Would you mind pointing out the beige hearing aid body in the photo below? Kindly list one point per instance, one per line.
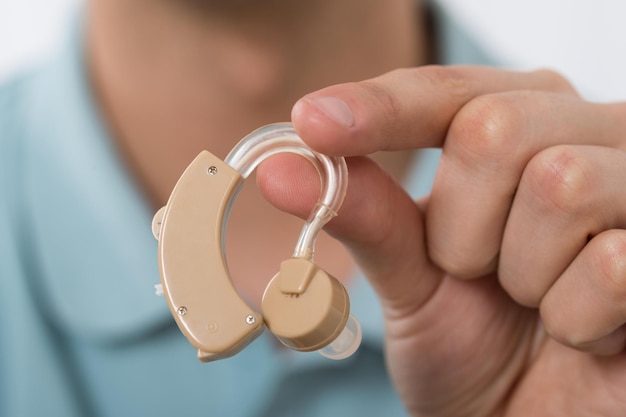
(306, 308)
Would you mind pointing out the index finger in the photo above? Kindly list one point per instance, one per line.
(403, 109)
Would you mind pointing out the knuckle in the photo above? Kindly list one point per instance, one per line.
(559, 177)
(484, 129)
(520, 290)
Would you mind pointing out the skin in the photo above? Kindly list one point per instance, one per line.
(504, 291)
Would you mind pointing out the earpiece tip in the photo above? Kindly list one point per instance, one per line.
(346, 343)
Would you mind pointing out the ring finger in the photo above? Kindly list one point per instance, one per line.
(489, 144)
(567, 196)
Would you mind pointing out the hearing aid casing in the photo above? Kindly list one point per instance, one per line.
(305, 307)
(194, 275)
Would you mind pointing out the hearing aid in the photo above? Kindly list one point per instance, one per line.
(306, 308)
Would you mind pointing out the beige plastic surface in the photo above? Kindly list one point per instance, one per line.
(306, 317)
(296, 275)
(194, 274)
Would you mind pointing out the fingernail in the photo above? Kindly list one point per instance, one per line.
(333, 108)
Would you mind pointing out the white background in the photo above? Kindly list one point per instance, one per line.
(29, 30)
(584, 39)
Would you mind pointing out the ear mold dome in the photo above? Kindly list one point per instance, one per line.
(305, 307)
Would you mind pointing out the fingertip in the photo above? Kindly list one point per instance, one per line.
(324, 122)
(289, 183)
(609, 345)
(334, 109)
(612, 344)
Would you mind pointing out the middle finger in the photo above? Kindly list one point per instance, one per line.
(568, 195)
(489, 143)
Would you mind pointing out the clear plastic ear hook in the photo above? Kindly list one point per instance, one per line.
(280, 138)
(306, 308)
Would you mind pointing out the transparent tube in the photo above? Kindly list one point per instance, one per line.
(279, 138)
(282, 137)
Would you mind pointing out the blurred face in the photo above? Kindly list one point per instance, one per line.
(242, 6)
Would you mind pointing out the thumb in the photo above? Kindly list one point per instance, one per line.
(378, 222)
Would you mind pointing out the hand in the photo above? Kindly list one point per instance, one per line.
(504, 291)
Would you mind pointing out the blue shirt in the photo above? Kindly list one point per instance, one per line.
(81, 332)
